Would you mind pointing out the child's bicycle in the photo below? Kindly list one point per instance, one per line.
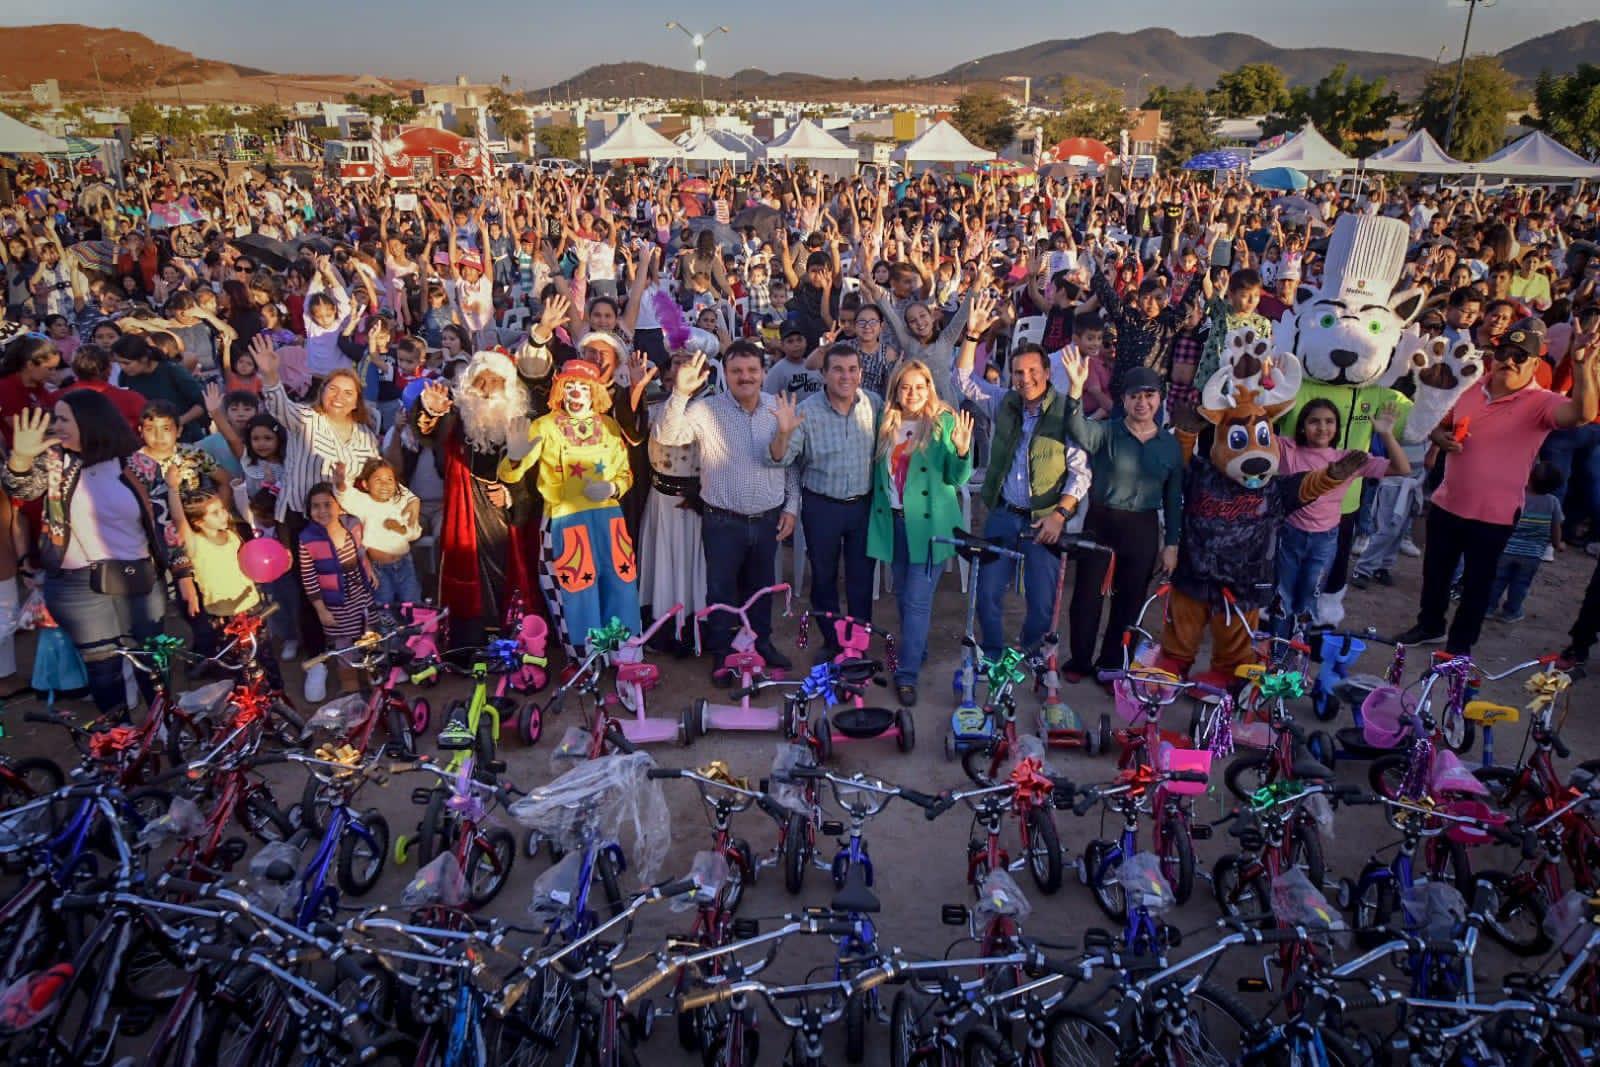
(1116, 870)
(455, 821)
(474, 725)
(970, 726)
(601, 731)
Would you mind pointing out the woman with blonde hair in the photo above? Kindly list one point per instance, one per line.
(924, 455)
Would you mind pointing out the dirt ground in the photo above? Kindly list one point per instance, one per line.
(922, 866)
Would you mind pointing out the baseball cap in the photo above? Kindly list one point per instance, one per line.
(1141, 380)
(1524, 338)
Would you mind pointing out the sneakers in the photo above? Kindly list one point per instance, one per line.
(289, 651)
(1506, 616)
(1409, 547)
(1419, 636)
(1383, 577)
(1549, 554)
(906, 695)
(316, 683)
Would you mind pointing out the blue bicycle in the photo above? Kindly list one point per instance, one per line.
(354, 845)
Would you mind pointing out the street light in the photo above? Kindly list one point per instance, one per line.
(699, 42)
(1461, 71)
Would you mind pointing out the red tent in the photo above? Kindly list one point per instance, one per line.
(1086, 147)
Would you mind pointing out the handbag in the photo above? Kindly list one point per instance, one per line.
(123, 577)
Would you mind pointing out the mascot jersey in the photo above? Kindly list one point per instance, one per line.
(1357, 405)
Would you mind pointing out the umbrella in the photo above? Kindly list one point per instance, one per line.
(760, 218)
(319, 245)
(268, 251)
(726, 239)
(1086, 148)
(1220, 160)
(694, 185)
(1285, 178)
(98, 256)
(169, 213)
(1053, 171)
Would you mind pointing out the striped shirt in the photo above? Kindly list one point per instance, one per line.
(735, 469)
(314, 447)
(832, 451)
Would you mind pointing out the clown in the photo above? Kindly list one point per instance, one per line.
(1351, 337)
(1234, 501)
(590, 568)
(489, 530)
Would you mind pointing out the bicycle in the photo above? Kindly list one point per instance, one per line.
(358, 843)
(1030, 795)
(1561, 833)
(483, 854)
(583, 682)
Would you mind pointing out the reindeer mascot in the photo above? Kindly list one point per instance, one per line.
(1352, 339)
(1234, 502)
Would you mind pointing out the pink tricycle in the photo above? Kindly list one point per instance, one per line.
(857, 721)
(531, 633)
(744, 665)
(635, 678)
(426, 642)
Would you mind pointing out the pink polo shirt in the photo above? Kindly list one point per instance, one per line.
(1487, 478)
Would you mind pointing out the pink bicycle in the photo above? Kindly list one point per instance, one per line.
(743, 666)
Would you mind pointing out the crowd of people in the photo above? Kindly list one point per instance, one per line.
(607, 394)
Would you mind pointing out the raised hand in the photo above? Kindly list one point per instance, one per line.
(691, 376)
(1076, 364)
(1383, 422)
(788, 414)
(519, 438)
(980, 316)
(213, 395)
(339, 475)
(265, 353)
(961, 433)
(30, 436)
(555, 312)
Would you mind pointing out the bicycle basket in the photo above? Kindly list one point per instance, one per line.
(1169, 758)
(1383, 715)
(1128, 693)
(862, 723)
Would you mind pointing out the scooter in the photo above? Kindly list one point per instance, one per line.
(743, 664)
(970, 726)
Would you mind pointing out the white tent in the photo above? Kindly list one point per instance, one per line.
(717, 146)
(941, 143)
(1417, 154)
(1537, 155)
(632, 139)
(1307, 150)
(819, 148)
(17, 137)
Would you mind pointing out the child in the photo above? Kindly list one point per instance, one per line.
(158, 428)
(1237, 310)
(337, 576)
(1309, 537)
(390, 514)
(241, 375)
(1538, 529)
(438, 316)
(230, 413)
(1090, 333)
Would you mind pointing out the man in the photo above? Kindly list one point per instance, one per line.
(829, 438)
(489, 537)
(1577, 450)
(1502, 422)
(1461, 313)
(1035, 480)
(749, 503)
(1278, 303)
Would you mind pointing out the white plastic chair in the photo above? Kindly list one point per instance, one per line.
(1028, 331)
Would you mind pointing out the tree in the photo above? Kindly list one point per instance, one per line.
(179, 123)
(509, 116)
(697, 108)
(217, 119)
(1189, 125)
(77, 116)
(562, 142)
(1253, 89)
(1568, 108)
(1088, 109)
(22, 112)
(1488, 92)
(986, 118)
(144, 117)
(265, 118)
(383, 107)
(1348, 110)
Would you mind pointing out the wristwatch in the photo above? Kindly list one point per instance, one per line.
(1063, 512)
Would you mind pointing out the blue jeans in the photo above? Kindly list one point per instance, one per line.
(1512, 579)
(1303, 562)
(397, 583)
(914, 584)
(1040, 566)
(740, 551)
(833, 529)
(96, 621)
(1575, 452)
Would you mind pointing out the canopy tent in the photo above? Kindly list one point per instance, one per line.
(17, 138)
(1537, 155)
(1417, 154)
(941, 143)
(819, 148)
(632, 139)
(717, 146)
(1307, 150)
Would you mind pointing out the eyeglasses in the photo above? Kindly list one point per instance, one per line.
(1511, 355)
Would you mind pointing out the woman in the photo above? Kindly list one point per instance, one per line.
(25, 373)
(672, 559)
(1137, 470)
(107, 531)
(878, 356)
(923, 456)
(335, 574)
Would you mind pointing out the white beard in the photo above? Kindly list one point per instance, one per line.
(486, 419)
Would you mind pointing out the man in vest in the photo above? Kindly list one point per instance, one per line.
(1036, 478)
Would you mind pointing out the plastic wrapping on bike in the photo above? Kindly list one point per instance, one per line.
(208, 700)
(999, 894)
(1567, 921)
(338, 716)
(439, 881)
(708, 873)
(1296, 902)
(1141, 879)
(267, 886)
(610, 796)
(1433, 910)
(183, 820)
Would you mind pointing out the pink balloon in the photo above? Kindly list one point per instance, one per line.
(263, 560)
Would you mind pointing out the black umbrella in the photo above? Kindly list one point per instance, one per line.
(760, 218)
(320, 245)
(265, 250)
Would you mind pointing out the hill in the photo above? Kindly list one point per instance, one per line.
(1556, 52)
(128, 61)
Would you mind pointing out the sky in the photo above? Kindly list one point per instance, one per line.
(539, 43)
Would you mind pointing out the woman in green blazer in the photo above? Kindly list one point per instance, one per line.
(924, 455)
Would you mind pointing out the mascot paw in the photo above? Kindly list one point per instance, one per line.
(1246, 353)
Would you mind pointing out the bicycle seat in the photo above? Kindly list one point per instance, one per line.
(1489, 713)
(1307, 766)
(856, 896)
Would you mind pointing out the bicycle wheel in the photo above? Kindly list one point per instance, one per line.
(978, 763)
(1387, 774)
(152, 973)
(796, 852)
(1371, 905)
(1239, 899)
(314, 806)
(905, 1032)
(360, 860)
(433, 835)
(1044, 851)
(1517, 919)
(1457, 731)
(260, 815)
(610, 883)
(984, 1047)
(1247, 774)
(1074, 1038)
(1176, 853)
(185, 739)
(1216, 1030)
(855, 1028)
(741, 874)
(542, 1030)
(35, 777)
(1101, 873)
(488, 867)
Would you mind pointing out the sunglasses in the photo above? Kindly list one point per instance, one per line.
(1511, 355)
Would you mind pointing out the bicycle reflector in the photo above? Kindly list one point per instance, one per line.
(32, 998)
